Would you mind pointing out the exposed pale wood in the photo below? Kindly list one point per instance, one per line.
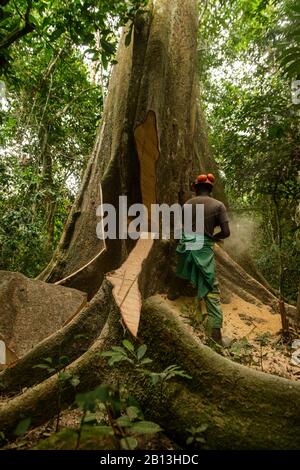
(32, 310)
(125, 284)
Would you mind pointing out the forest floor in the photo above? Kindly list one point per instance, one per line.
(45, 437)
(255, 333)
(256, 343)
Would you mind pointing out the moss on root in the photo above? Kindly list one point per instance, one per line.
(243, 408)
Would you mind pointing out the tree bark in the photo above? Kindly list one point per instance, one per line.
(155, 86)
(14, 36)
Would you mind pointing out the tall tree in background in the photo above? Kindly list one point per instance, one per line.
(48, 128)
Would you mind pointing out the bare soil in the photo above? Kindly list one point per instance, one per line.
(255, 332)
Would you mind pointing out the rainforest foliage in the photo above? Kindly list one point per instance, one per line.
(249, 61)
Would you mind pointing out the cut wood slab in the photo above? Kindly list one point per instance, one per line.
(31, 310)
(125, 284)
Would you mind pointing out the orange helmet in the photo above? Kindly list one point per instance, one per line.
(207, 179)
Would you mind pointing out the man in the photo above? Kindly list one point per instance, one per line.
(198, 265)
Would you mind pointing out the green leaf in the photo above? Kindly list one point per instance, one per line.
(116, 358)
(145, 427)
(56, 33)
(101, 393)
(124, 422)
(129, 443)
(64, 376)
(146, 360)
(133, 412)
(292, 69)
(276, 131)
(48, 359)
(32, 19)
(41, 366)
(291, 57)
(128, 345)
(105, 429)
(80, 336)
(63, 360)
(90, 417)
(87, 401)
(132, 401)
(106, 354)
(202, 428)
(108, 47)
(23, 426)
(141, 351)
(189, 440)
(118, 349)
(75, 381)
(154, 378)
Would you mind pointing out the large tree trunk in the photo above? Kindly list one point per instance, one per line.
(151, 143)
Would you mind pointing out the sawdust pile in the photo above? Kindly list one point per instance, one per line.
(254, 330)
